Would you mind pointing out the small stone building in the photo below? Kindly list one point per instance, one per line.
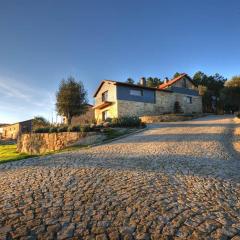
(86, 118)
(12, 131)
(117, 99)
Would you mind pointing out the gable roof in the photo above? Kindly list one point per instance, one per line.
(22, 122)
(169, 83)
(129, 85)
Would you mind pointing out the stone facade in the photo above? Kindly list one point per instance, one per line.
(38, 143)
(11, 131)
(168, 118)
(184, 82)
(194, 107)
(14, 130)
(163, 102)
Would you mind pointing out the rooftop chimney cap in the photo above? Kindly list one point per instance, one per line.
(166, 80)
(143, 81)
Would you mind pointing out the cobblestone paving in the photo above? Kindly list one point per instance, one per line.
(173, 181)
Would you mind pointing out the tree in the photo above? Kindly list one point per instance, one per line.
(39, 122)
(71, 99)
(177, 74)
(153, 82)
(234, 82)
(209, 88)
(230, 95)
(149, 82)
(130, 81)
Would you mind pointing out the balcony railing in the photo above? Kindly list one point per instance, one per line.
(102, 102)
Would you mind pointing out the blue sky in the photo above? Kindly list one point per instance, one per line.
(42, 42)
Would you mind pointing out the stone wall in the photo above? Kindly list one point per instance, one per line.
(167, 118)
(12, 131)
(38, 143)
(164, 102)
(194, 107)
(132, 108)
(180, 83)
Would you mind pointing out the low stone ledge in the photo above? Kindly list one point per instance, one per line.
(168, 118)
(39, 143)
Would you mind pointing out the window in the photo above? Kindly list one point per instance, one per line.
(104, 115)
(105, 96)
(189, 100)
(135, 92)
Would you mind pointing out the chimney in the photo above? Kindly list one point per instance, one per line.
(143, 81)
(166, 80)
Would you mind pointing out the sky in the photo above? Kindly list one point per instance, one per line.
(42, 42)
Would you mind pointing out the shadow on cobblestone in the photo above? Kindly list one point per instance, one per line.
(140, 187)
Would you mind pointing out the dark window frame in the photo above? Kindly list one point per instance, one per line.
(189, 99)
(137, 90)
(105, 96)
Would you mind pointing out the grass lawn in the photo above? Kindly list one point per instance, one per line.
(115, 133)
(9, 153)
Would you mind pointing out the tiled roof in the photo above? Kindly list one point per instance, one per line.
(170, 82)
(130, 85)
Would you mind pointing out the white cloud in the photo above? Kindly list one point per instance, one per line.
(23, 100)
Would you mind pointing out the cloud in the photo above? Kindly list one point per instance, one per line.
(25, 100)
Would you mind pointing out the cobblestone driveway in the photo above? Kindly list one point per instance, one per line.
(173, 181)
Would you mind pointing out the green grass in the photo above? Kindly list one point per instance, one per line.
(114, 133)
(70, 149)
(9, 153)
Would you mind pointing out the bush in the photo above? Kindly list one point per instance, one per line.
(63, 129)
(53, 130)
(74, 129)
(238, 115)
(85, 128)
(126, 122)
(42, 130)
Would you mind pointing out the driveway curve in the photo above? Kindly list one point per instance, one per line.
(173, 181)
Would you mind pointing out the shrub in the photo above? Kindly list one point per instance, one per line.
(42, 130)
(143, 124)
(74, 129)
(108, 120)
(238, 115)
(53, 130)
(85, 128)
(126, 122)
(63, 129)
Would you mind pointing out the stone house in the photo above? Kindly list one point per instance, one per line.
(86, 118)
(2, 125)
(12, 131)
(117, 99)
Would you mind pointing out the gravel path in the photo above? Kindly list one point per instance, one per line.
(172, 181)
